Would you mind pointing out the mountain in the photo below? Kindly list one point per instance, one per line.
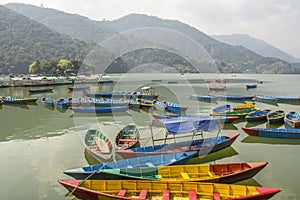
(23, 41)
(258, 46)
(228, 58)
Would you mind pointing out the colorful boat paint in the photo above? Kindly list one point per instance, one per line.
(128, 137)
(276, 117)
(292, 119)
(144, 189)
(244, 106)
(273, 132)
(257, 115)
(44, 90)
(92, 109)
(13, 100)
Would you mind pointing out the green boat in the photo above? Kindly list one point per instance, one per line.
(128, 137)
(238, 113)
(276, 117)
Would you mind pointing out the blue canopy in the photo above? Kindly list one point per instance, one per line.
(188, 124)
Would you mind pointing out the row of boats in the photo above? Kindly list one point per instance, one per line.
(160, 171)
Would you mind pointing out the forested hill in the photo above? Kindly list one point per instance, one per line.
(23, 41)
(228, 58)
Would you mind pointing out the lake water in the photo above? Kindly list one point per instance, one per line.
(37, 143)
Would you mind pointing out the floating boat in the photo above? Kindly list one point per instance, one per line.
(185, 127)
(257, 115)
(273, 132)
(266, 99)
(98, 145)
(203, 97)
(244, 106)
(128, 137)
(145, 104)
(234, 98)
(146, 161)
(250, 86)
(292, 119)
(144, 189)
(169, 106)
(79, 88)
(276, 117)
(222, 108)
(13, 100)
(108, 102)
(217, 84)
(92, 109)
(44, 90)
(281, 99)
(73, 102)
(217, 173)
(238, 113)
(48, 101)
(62, 103)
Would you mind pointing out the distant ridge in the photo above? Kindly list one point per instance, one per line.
(228, 58)
(258, 46)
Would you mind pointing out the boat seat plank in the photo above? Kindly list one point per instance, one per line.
(192, 195)
(143, 194)
(166, 195)
(185, 176)
(102, 145)
(122, 193)
(217, 196)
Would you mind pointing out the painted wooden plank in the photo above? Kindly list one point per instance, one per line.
(122, 193)
(166, 195)
(192, 195)
(217, 196)
(143, 193)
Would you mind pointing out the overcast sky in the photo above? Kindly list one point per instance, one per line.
(274, 21)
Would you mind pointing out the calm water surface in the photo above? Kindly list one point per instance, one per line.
(38, 143)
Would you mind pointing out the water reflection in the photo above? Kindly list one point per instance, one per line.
(227, 152)
(253, 124)
(250, 182)
(229, 126)
(266, 140)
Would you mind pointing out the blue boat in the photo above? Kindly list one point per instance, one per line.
(62, 103)
(222, 119)
(273, 132)
(13, 100)
(169, 106)
(147, 161)
(266, 99)
(92, 109)
(234, 98)
(257, 115)
(48, 101)
(184, 128)
(108, 102)
(44, 90)
(203, 97)
(250, 86)
(292, 119)
(73, 102)
(222, 108)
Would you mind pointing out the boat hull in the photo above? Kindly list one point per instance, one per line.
(273, 132)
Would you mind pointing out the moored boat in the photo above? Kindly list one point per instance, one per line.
(93, 109)
(98, 145)
(244, 106)
(13, 100)
(266, 99)
(44, 90)
(222, 108)
(217, 173)
(257, 115)
(48, 101)
(62, 103)
(250, 86)
(234, 97)
(128, 137)
(238, 113)
(292, 119)
(273, 132)
(144, 189)
(276, 117)
(203, 97)
(146, 161)
(169, 106)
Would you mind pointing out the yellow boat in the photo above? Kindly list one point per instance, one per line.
(163, 190)
(244, 106)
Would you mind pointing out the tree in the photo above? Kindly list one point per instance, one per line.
(35, 67)
(64, 65)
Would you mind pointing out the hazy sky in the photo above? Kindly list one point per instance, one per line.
(274, 21)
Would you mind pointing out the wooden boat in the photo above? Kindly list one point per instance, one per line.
(222, 108)
(250, 86)
(146, 161)
(223, 119)
(292, 119)
(244, 106)
(273, 132)
(147, 93)
(62, 103)
(166, 190)
(48, 101)
(145, 104)
(44, 90)
(217, 84)
(79, 88)
(257, 115)
(163, 116)
(108, 95)
(217, 173)
(92, 109)
(73, 102)
(202, 146)
(13, 100)
(203, 97)
(234, 98)
(281, 99)
(128, 137)
(169, 106)
(266, 99)
(238, 113)
(98, 145)
(276, 117)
